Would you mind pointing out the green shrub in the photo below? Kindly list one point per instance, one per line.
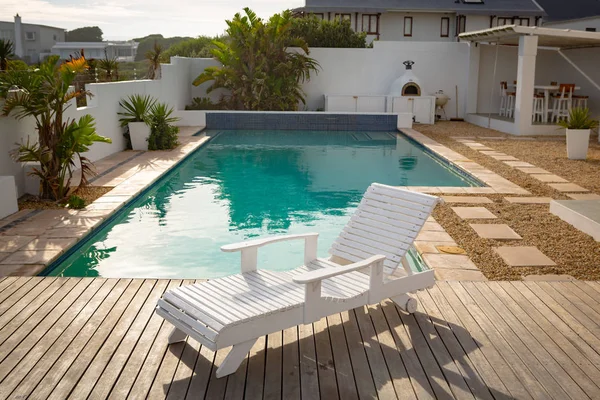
(163, 135)
(579, 118)
(323, 33)
(203, 103)
(76, 202)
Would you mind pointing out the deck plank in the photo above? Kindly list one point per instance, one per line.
(93, 338)
(6, 281)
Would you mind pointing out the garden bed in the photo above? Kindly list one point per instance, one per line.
(89, 194)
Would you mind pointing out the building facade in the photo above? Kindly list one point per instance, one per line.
(32, 42)
(431, 21)
(122, 51)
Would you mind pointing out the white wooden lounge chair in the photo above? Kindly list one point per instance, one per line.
(238, 309)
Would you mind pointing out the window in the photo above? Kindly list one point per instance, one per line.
(54, 37)
(344, 17)
(408, 25)
(370, 24)
(590, 29)
(445, 27)
(504, 21)
(29, 35)
(522, 21)
(461, 24)
(7, 35)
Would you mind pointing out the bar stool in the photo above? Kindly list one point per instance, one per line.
(580, 101)
(507, 101)
(538, 108)
(563, 101)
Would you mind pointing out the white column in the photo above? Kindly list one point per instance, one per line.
(19, 52)
(525, 81)
(472, 78)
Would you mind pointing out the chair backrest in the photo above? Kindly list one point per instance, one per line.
(386, 222)
(503, 88)
(566, 90)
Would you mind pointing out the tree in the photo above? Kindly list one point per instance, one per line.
(85, 34)
(6, 53)
(147, 43)
(258, 69)
(322, 33)
(110, 66)
(44, 94)
(198, 47)
(154, 57)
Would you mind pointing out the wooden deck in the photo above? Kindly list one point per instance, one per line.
(99, 338)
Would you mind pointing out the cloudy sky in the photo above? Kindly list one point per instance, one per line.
(125, 19)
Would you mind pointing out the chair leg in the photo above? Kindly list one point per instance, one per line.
(176, 336)
(235, 358)
(405, 302)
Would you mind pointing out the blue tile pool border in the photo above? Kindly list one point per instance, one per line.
(117, 212)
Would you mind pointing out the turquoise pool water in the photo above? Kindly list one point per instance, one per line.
(246, 184)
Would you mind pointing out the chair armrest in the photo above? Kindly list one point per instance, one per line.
(230, 248)
(325, 273)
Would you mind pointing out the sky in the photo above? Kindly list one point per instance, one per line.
(126, 19)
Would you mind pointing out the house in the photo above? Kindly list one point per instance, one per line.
(582, 15)
(431, 20)
(121, 50)
(32, 42)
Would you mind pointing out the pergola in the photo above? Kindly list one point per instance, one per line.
(528, 39)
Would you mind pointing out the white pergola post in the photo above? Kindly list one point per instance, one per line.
(528, 46)
(472, 78)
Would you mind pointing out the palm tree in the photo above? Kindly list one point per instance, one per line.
(110, 65)
(154, 58)
(44, 94)
(257, 69)
(6, 53)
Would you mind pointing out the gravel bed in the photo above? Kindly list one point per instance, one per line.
(89, 194)
(574, 252)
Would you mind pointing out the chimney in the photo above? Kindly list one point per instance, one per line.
(18, 37)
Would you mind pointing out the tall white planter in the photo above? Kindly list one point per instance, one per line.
(578, 141)
(139, 133)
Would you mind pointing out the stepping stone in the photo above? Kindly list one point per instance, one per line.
(495, 231)
(524, 256)
(493, 153)
(492, 138)
(467, 199)
(549, 278)
(519, 164)
(584, 196)
(505, 158)
(529, 200)
(473, 213)
(450, 261)
(534, 170)
(482, 148)
(549, 178)
(475, 144)
(568, 187)
(447, 274)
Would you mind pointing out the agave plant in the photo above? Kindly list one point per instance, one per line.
(6, 53)
(579, 118)
(136, 108)
(44, 94)
(258, 70)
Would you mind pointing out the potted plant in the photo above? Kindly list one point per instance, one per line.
(578, 126)
(136, 109)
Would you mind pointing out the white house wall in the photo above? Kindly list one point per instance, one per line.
(580, 24)
(426, 27)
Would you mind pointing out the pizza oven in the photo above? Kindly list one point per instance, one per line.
(407, 84)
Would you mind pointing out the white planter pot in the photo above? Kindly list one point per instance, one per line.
(578, 141)
(139, 133)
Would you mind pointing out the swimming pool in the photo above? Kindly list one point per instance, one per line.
(246, 184)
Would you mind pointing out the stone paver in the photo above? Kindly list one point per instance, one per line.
(584, 196)
(529, 200)
(568, 187)
(13, 243)
(549, 278)
(432, 236)
(473, 213)
(50, 244)
(449, 261)
(467, 199)
(433, 226)
(505, 158)
(518, 164)
(21, 269)
(524, 256)
(30, 257)
(426, 247)
(493, 153)
(447, 274)
(495, 231)
(533, 170)
(549, 178)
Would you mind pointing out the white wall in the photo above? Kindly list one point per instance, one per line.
(438, 65)
(578, 24)
(550, 67)
(426, 27)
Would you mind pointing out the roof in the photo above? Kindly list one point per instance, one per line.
(487, 7)
(561, 10)
(92, 45)
(43, 26)
(547, 37)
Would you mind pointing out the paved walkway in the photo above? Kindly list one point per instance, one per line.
(79, 337)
